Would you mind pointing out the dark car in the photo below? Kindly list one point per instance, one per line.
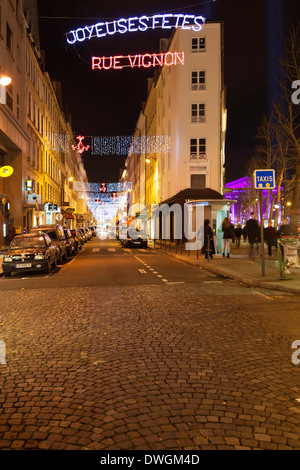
(93, 230)
(30, 252)
(134, 238)
(83, 235)
(77, 238)
(56, 233)
(70, 242)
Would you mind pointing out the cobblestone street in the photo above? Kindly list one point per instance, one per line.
(185, 366)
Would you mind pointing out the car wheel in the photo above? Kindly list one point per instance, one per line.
(54, 264)
(60, 258)
(48, 267)
(65, 255)
(7, 274)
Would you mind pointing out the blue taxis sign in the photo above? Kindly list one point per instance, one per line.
(264, 179)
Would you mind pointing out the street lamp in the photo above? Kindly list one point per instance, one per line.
(5, 80)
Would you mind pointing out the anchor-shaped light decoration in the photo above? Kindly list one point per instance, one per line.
(80, 148)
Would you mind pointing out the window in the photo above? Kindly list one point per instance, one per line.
(198, 44)
(197, 149)
(198, 112)
(9, 38)
(18, 106)
(198, 81)
(9, 97)
(198, 181)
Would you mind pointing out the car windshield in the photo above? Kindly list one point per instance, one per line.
(52, 234)
(28, 242)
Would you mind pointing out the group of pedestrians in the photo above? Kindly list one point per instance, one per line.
(250, 231)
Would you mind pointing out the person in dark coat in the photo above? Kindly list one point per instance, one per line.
(228, 234)
(238, 235)
(270, 237)
(252, 233)
(208, 240)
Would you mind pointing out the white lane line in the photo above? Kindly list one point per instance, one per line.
(165, 280)
(159, 275)
(154, 272)
(263, 295)
(111, 249)
(176, 282)
(142, 271)
(95, 250)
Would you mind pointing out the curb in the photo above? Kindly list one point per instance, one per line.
(236, 277)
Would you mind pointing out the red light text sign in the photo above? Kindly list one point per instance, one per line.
(139, 60)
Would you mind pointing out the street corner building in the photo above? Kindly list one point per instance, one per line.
(35, 133)
(188, 105)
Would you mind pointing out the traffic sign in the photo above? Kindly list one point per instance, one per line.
(264, 179)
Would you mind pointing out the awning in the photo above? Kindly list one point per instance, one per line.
(69, 216)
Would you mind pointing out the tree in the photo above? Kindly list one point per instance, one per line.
(278, 136)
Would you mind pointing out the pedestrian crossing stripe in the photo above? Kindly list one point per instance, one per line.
(96, 249)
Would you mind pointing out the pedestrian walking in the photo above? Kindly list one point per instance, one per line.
(270, 237)
(252, 233)
(238, 235)
(228, 234)
(208, 245)
(244, 233)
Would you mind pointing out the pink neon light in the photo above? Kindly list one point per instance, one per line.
(139, 60)
(80, 148)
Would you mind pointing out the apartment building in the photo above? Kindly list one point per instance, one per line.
(35, 131)
(184, 121)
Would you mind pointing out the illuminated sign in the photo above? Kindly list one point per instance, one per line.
(118, 62)
(134, 24)
(29, 185)
(51, 207)
(80, 148)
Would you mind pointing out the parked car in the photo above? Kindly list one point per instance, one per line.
(77, 238)
(70, 242)
(30, 252)
(93, 230)
(134, 238)
(88, 233)
(56, 233)
(83, 234)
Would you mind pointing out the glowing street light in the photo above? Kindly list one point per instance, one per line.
(5, 80)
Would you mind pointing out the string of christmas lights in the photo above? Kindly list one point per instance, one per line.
(102, 187)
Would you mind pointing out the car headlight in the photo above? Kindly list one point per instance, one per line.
(40, 256)
(7, 259)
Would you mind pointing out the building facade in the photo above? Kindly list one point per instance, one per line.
(35, 133)
(183, 122)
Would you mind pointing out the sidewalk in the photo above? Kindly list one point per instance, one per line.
(240, 267)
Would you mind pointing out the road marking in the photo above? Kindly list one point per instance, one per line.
(210, 282)
(142, 271)
(165, 280)
(111, 249)
(263, 295)
(177, 282)
(95, 249)
(159, 275)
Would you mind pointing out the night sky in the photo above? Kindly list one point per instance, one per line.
(107, 103)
